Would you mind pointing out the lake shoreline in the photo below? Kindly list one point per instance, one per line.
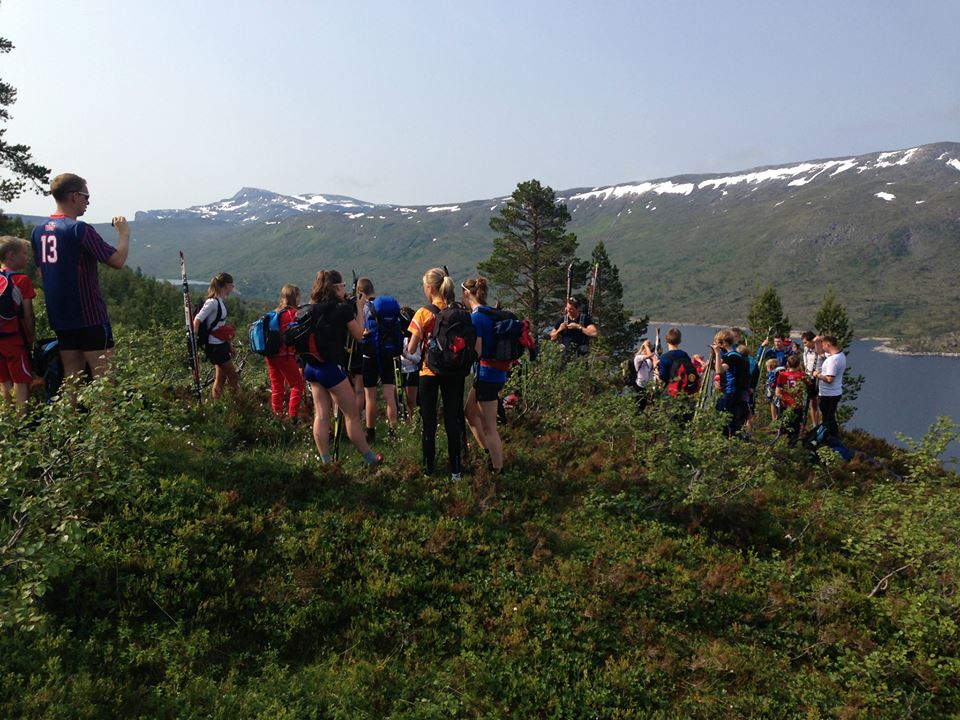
(884, 344)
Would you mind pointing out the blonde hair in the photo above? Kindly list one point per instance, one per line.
(289, 297)
(478, 288)
(217, 283)
(440, 284)
(9, 245)
(723, 337)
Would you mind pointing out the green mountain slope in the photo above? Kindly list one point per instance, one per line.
(884, 229)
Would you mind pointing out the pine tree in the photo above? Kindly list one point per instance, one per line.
(617, 332)
(766, 315)
(15, 159)
(832, 319)
(531, 252)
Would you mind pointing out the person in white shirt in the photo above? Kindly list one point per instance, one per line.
(830, 378)
(644, 362)
(812, 362)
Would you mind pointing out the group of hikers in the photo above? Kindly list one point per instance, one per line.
(345, 347)
(345, 342)
(802, 385)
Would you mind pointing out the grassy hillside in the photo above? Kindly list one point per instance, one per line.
(185, 560)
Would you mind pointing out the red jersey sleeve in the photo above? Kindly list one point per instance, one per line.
(26, 286)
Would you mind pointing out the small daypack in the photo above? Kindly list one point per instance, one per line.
(265, 334)
(11, 300)
(384, 326)
(684, 378)
(203, 335)
(511, 336)
(451, 346)
(311, 334)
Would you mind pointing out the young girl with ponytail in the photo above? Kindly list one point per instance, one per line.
(481, 407)
(213, 315)
(326, 374)
(438, 289)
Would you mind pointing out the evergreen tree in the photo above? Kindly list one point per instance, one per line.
(531, 252)
(15, 159)
(766, 315)
(618, 333)
(832, 319)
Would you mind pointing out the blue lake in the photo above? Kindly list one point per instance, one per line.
(900, 394)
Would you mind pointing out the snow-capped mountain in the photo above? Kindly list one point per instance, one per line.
(255, 205)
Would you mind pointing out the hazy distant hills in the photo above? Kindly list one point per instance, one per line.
(884, 228)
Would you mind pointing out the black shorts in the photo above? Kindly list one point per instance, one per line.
(383, 372)
(218, 353)
(86, 339)
(487, 391)
(410, 379)
(355, 361)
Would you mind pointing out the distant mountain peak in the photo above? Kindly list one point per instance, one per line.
(257, 205)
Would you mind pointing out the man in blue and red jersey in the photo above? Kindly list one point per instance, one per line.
(67, 251)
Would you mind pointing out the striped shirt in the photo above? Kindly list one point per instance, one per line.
(67, 252)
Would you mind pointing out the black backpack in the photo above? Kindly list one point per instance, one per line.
(203, 336)
(451, 346)
(312, 335)
(507, 333)
(11, 300)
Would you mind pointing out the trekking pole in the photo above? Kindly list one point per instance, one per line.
(760, 360)
(706, 385)
(191, 335)
(397, 379)
(593, 289)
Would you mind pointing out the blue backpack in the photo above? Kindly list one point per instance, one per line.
(384, 326)
(265, 334)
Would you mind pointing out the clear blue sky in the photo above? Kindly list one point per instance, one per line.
(177, 103)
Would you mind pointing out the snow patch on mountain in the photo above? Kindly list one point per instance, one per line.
(885, 196)
(620, 191)
(955, 164)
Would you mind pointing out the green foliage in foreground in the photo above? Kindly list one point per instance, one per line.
(196, 561)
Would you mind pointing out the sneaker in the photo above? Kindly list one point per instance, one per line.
(456, 476)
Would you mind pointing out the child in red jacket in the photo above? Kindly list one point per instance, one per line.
(283, 367)
(17, 322)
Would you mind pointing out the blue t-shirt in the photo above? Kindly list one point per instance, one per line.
(67, 252)
(486, 371)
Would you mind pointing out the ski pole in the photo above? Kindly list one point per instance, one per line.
(191, 335)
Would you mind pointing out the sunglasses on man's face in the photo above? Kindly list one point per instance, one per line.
(85, 195)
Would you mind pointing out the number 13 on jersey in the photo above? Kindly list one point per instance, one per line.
(48, 249)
